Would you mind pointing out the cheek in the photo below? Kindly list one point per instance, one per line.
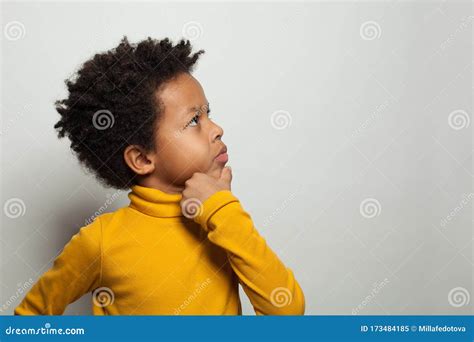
(195, 150)
(191, 153)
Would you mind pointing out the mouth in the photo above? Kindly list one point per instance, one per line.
(222, 157)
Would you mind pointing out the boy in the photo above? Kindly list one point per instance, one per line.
(138, 120)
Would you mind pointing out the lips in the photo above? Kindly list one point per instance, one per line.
(222, 151)
(222, 157)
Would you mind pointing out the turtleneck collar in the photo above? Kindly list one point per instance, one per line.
(155, 202)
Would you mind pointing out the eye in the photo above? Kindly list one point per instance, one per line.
(194, 121)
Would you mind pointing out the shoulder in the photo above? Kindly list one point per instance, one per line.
(105, 224)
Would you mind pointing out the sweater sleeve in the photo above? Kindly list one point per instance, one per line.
(75, 271)
(270, 286)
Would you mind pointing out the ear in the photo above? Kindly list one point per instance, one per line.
(138, 160)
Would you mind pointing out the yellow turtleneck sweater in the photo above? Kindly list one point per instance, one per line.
(149, 259)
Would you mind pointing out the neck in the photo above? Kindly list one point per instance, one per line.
(155, 202)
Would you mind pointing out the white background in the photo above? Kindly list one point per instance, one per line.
(366, 115)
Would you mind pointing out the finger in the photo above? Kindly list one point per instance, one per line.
(226, 174)
(216, 174)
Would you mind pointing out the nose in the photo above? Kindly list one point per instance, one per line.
(216, 132)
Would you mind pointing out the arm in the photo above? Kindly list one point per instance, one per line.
(75, 271)
(270, 286)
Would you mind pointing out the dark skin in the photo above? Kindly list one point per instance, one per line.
(187, 142)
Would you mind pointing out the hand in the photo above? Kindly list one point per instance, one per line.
(200, 187)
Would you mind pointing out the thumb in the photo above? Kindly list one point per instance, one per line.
(226, 174)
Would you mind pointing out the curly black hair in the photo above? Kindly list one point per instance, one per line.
(112, 104)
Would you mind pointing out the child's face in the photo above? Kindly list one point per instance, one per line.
(187, 140)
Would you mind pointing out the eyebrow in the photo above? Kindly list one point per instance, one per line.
(195, 108)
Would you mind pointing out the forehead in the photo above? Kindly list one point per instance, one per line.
(179, 95)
